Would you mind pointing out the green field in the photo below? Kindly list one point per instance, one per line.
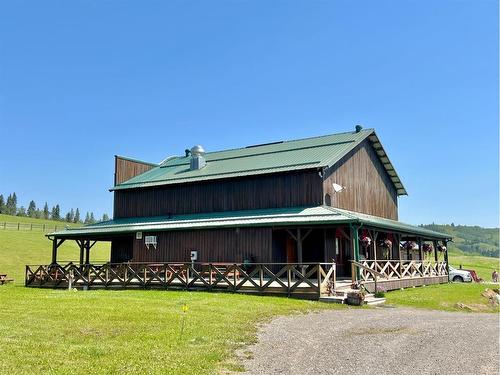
(60, 331)
(18, 248)
(483, 266)
(450, 297)
(134, 331)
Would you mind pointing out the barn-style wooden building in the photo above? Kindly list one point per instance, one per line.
(283, 217)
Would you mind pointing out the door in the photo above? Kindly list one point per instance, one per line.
(291, 250)
(342, 257)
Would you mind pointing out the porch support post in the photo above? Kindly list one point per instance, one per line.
(54, 251)
(80, 245)
(355, 245)
(374, 238)
(299, 245)
(408, 252)
(87, 252)
(420, 250)
(55, 246)
(398, 236)
(435, 245)
(445, 243)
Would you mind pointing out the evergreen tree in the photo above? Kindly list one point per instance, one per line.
(92, 219)
(38, 213)
(56, 213)
(46, 213)
(105, 217)
(32, 209)
(11, 205)
(8, 204)
(14, 204)
(87, 219)
(21, 211)
(70, 216)
(2, 204)
(76, 218)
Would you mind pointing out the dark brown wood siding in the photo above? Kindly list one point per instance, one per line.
(302, 188)
(214, 245)
(121, 249)
(126, 169)
(368, 186)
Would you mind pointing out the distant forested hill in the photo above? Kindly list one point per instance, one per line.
(471, 239)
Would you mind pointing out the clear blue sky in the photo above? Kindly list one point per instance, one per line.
(81, 81)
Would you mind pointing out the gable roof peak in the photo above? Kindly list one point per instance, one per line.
(275, 157)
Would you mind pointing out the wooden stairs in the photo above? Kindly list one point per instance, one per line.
(340, 295)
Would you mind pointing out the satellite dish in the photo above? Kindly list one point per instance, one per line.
(338, 188)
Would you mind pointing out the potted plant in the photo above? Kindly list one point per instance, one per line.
(356, 298)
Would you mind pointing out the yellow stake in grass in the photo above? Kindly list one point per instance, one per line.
(185, 309)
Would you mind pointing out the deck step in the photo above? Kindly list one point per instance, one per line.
(374, 301)
(332, 299)
(370, 299)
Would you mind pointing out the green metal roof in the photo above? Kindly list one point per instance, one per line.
(309, 153)
(254, 218)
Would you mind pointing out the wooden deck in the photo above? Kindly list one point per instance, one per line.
(300, 280)
(306, 280)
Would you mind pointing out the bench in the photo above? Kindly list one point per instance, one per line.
(4, 279)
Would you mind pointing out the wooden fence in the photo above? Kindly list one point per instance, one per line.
(5, 225)
(305, 280)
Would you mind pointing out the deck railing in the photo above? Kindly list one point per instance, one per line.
(400, 269)
(291, 279)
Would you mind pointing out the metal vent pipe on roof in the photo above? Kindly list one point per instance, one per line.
(197, 158)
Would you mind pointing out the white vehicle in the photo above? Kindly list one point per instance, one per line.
(459, 276)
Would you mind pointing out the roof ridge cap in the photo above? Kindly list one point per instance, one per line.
(289, 141)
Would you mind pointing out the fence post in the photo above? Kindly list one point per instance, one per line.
(31, 226)
(18, 225)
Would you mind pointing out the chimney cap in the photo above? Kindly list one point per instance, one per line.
(197, 150)
(358, 128)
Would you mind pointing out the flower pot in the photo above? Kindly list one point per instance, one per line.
(355, 299)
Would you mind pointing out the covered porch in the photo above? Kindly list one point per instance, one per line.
(312, 252)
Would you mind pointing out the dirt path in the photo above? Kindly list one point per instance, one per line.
(377, 341)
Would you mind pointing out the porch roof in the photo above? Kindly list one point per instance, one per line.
(320, 215)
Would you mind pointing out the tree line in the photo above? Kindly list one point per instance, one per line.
(9, 207)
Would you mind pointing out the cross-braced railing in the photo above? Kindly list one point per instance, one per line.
(399, 269)
(263, 278)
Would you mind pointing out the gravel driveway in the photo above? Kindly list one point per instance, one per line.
(377, 341)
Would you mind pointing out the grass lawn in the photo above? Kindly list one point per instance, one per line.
(60, 331)
(444, 297)
(18, 248)
(134, 331)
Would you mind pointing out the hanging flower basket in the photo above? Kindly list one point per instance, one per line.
(408, 245)
(441, 248)
(427, 247)
(366, 241)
